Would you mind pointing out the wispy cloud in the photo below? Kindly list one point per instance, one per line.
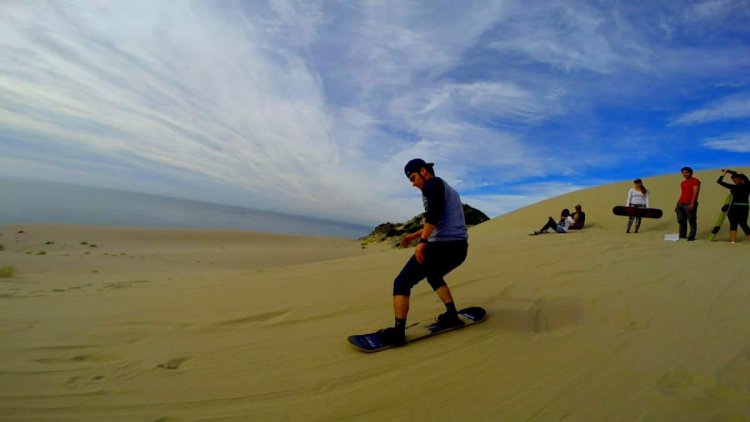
(314, 107)
(733, 107)
(736, 142)
(239, 114)
(498, 204)
(712, 10)
(559, 36)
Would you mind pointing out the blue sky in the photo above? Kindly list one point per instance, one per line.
(314, 107)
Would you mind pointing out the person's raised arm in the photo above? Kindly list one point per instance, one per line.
(721, 181)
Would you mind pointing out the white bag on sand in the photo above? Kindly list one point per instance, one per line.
(672, 237)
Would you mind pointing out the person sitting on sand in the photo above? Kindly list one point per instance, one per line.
(561, 226)
(579, 219)
(442, 245)
(738, 209)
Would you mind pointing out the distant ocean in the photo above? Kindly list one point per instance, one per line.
(27, 201)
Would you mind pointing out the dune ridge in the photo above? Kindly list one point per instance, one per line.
(197, 325)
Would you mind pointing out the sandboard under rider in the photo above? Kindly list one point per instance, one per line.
(442, 246)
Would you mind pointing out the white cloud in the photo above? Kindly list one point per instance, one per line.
(733, 107)
(571, 36)
(481, 100)
(737, 142)
(230, 96)
(498, 204)
(176, 88)
(316, 106)
(395, 45)
(709, 10)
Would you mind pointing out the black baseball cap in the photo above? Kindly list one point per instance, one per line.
(415, 165)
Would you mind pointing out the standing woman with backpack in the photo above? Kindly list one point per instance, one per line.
(637, 198)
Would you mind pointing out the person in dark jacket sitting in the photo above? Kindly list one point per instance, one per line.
(579, 219)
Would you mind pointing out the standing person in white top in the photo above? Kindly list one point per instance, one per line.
(637, 198)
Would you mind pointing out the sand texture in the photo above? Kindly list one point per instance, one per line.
(113, 324)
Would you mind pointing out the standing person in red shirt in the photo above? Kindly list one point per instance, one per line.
(687, 205)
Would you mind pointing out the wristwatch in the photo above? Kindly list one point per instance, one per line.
(421, 240)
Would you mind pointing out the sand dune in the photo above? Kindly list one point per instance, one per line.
(177, 325)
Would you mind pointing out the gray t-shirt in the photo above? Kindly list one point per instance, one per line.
(443, 207)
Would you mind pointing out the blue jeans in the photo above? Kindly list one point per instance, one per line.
(551, 224)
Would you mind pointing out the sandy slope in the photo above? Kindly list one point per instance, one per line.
(595, 325)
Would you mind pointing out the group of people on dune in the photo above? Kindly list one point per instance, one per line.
(442, 242)
(686, 208)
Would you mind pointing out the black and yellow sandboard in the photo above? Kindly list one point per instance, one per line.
(720, 219)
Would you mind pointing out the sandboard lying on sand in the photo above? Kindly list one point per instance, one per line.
(637, 212)
(419, 330)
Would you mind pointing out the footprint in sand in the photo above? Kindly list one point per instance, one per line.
(675, 384)
(174, 363)
(123, 285)
(733, 379)
(74, 381)
(731, 383)
(82, 381)
(683, 385)
(250, 319)
(78, 359)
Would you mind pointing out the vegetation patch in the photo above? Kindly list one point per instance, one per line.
(7, 271)
(391, 233)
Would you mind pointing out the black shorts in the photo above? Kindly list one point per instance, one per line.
(440, 258)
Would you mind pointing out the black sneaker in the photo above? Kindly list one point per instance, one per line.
(449, 320)
(392, 337)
